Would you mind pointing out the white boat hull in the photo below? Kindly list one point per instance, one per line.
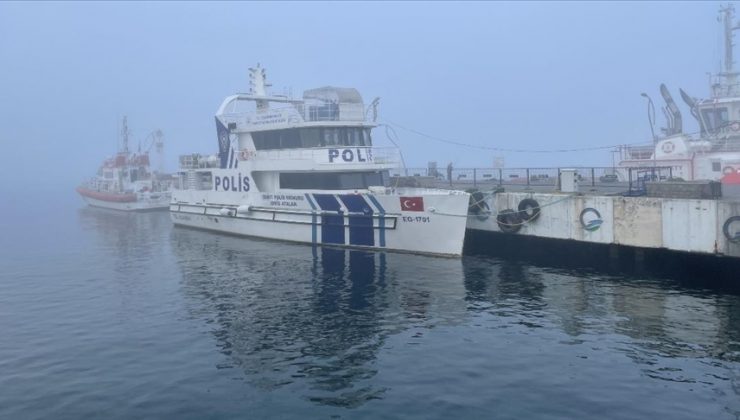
(438, 229)
(139, 205)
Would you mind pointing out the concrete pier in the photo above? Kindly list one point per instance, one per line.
(674, 224)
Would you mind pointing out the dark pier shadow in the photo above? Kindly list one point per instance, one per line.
(683, 268)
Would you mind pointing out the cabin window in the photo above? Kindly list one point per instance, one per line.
(331, 180)
(326, 112)
(310, 137)
(296, 138)
(352, 137)
(331, 137)
(714, 118)
(717, 166)
(290, 139)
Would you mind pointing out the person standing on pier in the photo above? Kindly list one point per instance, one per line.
(449, 173)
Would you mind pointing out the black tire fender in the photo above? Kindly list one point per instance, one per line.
(509, 221)
(478, 206)
(529, 209)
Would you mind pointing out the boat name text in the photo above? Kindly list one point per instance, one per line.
(350, 155)
(236, 183)
(282, 200)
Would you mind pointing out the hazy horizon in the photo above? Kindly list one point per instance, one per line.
(510, 75)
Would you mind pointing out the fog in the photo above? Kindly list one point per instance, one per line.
(524, 75)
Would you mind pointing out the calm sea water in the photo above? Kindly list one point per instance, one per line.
(108, 315)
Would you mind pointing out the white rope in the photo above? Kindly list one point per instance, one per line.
(491, 194)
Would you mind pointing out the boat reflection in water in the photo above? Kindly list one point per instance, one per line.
(132, 241)
(288, 313)
(341, 328)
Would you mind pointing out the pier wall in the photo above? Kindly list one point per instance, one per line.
(687, 225)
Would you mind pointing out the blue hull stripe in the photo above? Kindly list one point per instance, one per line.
(313, 219)
(332, 227)
(360, 226)
(381, 219)
(231, 157)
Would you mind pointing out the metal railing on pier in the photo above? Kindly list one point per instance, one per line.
(595, 179)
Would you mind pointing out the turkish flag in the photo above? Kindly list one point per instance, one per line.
(412, 203)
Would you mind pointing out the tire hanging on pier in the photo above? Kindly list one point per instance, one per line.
(509, 221)
(529, 209)
(478, 206)
(734, 238)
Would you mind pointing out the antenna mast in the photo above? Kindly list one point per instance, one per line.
(124, 134)
(258, 85)
(728, 73)
(159, 148)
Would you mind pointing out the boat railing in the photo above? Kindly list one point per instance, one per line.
(610, 179)
(726, 144)
(198, 161)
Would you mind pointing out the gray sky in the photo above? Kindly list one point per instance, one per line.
(524, 75)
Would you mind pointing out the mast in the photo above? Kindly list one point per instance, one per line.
(124, 134)
(258, 85)
(728, 74)
(159, 148)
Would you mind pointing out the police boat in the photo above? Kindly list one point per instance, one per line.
(305, 170)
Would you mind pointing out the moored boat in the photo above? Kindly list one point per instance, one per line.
(307, 171)
(713, 152)
(126, 181)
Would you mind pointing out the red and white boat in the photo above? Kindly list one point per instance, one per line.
(713, 152)
(126, 181)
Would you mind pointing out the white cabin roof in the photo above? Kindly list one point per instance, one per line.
(334, 94)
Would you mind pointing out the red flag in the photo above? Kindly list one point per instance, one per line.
(412, 203)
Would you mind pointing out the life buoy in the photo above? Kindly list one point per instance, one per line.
(735, 126)
(735, 237)
(478, 207)
(529, 209)
(509, 221)
(668, 147)
(245, 154)
(593, 224)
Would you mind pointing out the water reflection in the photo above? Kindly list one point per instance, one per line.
(316, 321)
(288, 313)
(134, 241)
(659, 325)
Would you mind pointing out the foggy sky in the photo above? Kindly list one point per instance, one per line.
(524, 75)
